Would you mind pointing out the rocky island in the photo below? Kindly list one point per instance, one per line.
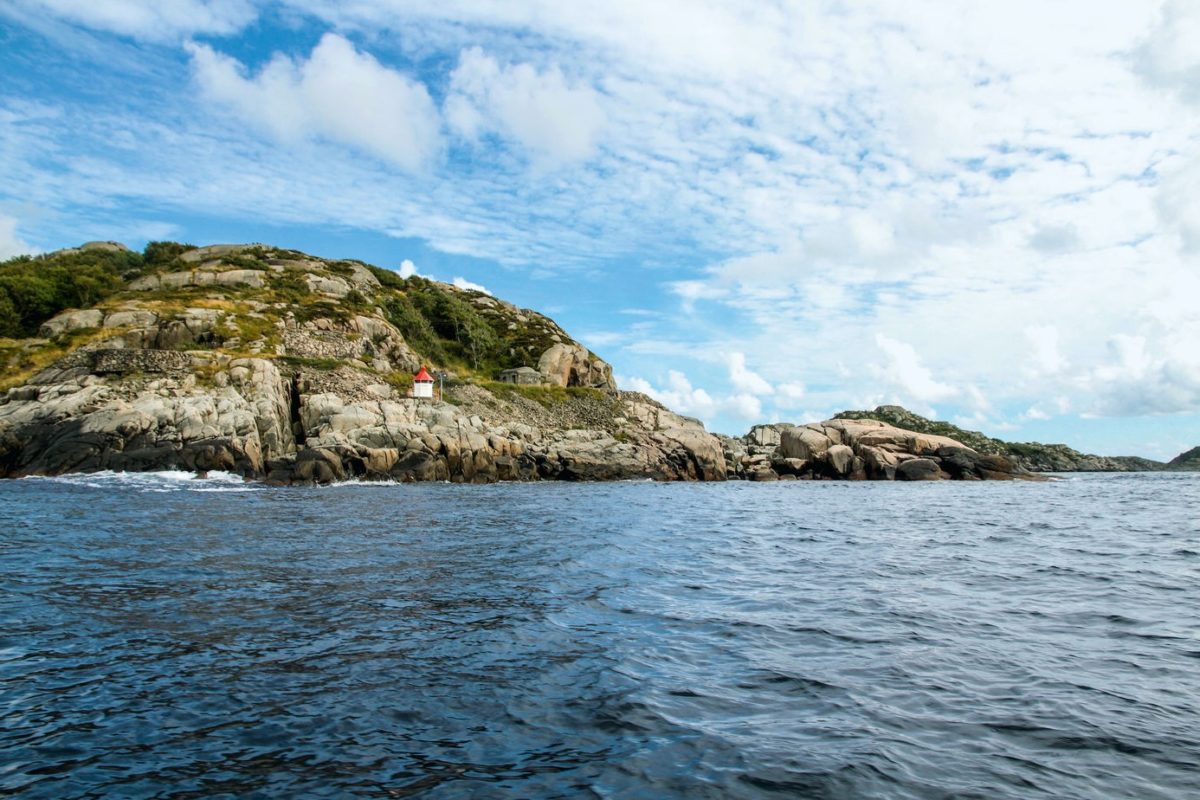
(288, 368)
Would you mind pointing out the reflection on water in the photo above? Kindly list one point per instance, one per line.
(165, 637)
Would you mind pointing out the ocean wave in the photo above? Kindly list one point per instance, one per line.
(153, 482)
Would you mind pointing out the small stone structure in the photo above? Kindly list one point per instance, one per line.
(523, 376)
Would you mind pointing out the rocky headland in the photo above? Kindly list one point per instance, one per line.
(288, 368)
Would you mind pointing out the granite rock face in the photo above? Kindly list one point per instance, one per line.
(288, 368)
(144, 409)
(851, 449)
(1030, 456)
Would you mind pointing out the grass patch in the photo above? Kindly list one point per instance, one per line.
(548, 396)
(21, 361)
(326, 364)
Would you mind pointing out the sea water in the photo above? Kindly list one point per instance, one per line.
(170, 637)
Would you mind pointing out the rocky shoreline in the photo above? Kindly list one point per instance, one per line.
(290, 369)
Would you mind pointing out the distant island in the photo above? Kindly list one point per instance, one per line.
(287, 368)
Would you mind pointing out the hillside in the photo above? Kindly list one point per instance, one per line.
(1186, 462)
(1033, 456)
(279, 365)
(254, 294)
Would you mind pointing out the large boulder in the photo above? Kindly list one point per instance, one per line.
(840, 457)
(919, 469)
(807, 442)
(71, 320)
(574, 365)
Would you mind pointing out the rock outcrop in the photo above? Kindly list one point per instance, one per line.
(853, 449)
(575, 365)
(291, 369)
(1030, 456)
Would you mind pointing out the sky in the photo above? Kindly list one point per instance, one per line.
(756, 212)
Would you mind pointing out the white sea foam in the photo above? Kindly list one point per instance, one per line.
(163, 481)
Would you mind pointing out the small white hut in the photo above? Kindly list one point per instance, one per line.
(422, 384)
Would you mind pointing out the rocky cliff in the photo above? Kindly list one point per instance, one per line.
(289, 368)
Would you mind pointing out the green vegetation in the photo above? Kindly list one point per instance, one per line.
(35, 288)
(465, 335)
(19, 361)
(468, 333)
(244, 260)
(164, 256)
(548, 396)
(312, 363)
(387, 277)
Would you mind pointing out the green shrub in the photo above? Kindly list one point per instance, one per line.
(36, 288)
(164, 256)
(386, 277)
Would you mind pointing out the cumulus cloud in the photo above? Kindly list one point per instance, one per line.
(1046, 359)
(1178, 204)
(407, 269)
(1143, 377)
(742, 406)
(339, 94)
(744, 378)
(466, 285)
(678, 394)
(790, 395)
(10, 243)
(553, 119)
(904, 373)
(1169, 58)
(155, 20)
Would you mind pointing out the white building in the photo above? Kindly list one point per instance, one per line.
(423, 385)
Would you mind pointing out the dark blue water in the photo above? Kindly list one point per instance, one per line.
(170, 638)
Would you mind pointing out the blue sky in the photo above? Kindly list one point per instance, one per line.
(755, 212)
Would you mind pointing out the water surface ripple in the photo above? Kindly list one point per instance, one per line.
(170, 638)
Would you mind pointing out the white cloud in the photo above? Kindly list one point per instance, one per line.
(742, 406)
(1054, 238)
(904, 373)
(1047, 360)
(1169, 58)
(10, 243)
(466, 285)
(1141, 377)
(679, 394)
(790, 395)
(744, 378)
(551, 118)
(407, 269)
(155, 20)
(339, 94)
(957, 178)
(1178, 204)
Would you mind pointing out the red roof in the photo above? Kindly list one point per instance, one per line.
(422, 376)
